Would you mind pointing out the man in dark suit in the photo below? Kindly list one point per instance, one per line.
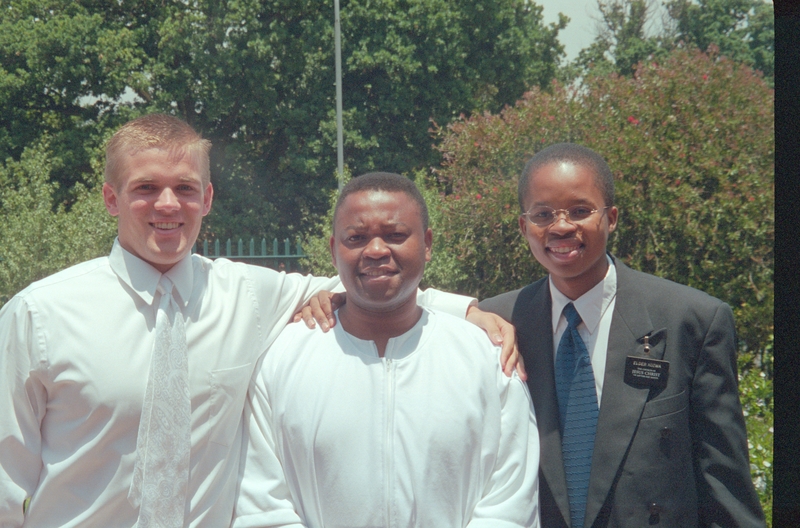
(664, 441)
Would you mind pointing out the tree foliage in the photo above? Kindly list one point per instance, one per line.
(629, 31)
(743, 30)
(40, 236)
(257, 78)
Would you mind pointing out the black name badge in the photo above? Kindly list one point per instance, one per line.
(646, 372)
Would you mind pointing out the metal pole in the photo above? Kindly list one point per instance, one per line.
(339, 135)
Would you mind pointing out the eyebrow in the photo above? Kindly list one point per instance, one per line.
(353, 227)
(148, 179)
(580, 201)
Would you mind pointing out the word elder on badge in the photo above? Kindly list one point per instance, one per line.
(644, 371)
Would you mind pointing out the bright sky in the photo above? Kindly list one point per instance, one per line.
(580, 30)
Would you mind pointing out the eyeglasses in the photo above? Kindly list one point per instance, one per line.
(543, 216)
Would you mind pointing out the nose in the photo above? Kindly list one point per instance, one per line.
(376, 249)
(562, 224)
(167, 201)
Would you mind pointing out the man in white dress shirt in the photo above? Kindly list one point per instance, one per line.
(401, 416)
(76, 348)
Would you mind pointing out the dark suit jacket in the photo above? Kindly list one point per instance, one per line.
(675, 456)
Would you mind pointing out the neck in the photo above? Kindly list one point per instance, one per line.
(379, 326)
(574, 288)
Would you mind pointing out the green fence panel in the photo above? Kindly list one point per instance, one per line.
(285, 261)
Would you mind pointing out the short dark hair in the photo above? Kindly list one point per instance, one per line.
(573, 153)
(383, 181)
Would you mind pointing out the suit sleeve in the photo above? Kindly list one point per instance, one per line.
(726, 492)
(22, 405)
(502, 305)
(511, 494)
(264, 499)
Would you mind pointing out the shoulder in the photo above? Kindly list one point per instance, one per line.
(468, 353)
(448, 324)
(668, 302)
(75, 275)
(297, 339)
(503, 304)
(633, 282)
(222, 268)
(257, 282)
(462, 340)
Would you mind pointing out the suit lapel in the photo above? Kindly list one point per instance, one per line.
(535, 333)
(621, 406)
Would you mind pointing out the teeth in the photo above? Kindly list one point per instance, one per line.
(166, 225)
(562, 249)
(374, 273)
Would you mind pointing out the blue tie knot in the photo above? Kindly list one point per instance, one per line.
(572, 315)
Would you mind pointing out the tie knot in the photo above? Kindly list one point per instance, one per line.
(164, 285)
(573, 318)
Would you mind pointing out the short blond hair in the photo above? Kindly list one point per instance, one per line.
(160, 131)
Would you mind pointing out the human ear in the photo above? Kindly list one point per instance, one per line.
(428, 244)
(110, 199)
(208, 197)
(612, 218)
(523, 225)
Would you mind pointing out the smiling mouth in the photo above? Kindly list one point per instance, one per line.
(377, 273)
(166, 225)
(564, 249)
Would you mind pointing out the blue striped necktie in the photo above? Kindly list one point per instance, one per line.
(577, 404)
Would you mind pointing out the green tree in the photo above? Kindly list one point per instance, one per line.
(40, 236)
(743, 30)
(628, 33)
(257, 79)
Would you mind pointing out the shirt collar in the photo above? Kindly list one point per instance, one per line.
(143, 278)
(591, 305)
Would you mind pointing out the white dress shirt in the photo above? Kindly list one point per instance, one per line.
(431, 435)
(75, 350)
(596, 308)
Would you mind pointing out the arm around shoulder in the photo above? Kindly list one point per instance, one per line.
(502, 305)
(451, 303)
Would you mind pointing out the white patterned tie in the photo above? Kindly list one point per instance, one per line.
(161, 474)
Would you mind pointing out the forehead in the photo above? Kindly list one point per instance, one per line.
(371, 205)
(155, 162)
(560, 180)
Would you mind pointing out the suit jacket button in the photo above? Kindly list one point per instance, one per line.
(654, 508)
(665, 432)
